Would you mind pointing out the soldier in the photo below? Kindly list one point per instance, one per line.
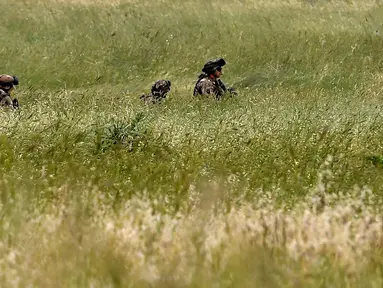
(7, 84)
(209, 83)
(159, 90)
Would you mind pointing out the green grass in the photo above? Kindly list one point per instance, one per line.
(84, 154)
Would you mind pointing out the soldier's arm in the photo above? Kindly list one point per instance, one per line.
(2, 94)
(5, 99)
(231, 90)
(222, 85)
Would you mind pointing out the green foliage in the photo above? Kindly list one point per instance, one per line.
(122, 134)
(309, 77)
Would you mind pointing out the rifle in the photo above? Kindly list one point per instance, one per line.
(231, 90)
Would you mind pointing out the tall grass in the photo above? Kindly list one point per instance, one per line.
(279, 187)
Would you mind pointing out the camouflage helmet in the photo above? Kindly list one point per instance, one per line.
(8, 80)
(212, 65)
(161, 87)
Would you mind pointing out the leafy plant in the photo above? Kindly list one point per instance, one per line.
(122, 134)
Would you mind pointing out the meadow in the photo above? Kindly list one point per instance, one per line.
(280, 186)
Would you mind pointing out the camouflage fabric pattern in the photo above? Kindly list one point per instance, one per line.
(158, 92)
(7, 83)
(208, 86)
(215, 87)
(5, 99)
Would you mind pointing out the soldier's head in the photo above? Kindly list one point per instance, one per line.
(8, 82)
(161, 87)
(214, 67)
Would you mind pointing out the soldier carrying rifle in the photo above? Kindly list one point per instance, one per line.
(7, 84)
(209, 83)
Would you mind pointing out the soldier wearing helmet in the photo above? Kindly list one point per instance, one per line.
(209, 83)
(7, 83)
(159, 90)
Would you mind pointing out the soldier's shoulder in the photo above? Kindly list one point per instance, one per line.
(206, 80)
(160, 83)
(3, 93)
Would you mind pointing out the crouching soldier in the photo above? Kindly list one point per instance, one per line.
(7, 84)
(159, 90)
(209, 83)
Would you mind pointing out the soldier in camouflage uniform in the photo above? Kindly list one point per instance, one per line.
(7, 84)
(159, 90)
(209, 83)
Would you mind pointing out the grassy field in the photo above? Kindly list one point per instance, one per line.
(279, 187)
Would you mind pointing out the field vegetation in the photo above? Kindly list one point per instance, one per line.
(278, 187)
